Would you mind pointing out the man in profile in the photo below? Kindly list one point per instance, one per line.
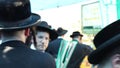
(15, 22)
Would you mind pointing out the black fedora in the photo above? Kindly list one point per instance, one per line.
(16, 14)
(76, 33)
(61, 31)
(105, 41)
(43, 26)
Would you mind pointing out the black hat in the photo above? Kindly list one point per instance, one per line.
(105, 41)
(16, 14)
(43, 26)
(76, 33)
(61, 31)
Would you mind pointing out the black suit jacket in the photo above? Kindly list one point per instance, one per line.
(81, 50)
(54, 46)
(15, 54)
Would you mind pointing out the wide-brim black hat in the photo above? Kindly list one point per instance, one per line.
(43, 26)
(76, 33)
(105, 41)
(61, 31)
(16, 14)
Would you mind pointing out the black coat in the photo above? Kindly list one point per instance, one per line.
(54, 47)
(81, 50)
(20, 56)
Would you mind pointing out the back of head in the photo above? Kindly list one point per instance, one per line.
(16, 14)
(75, 34)
(61, 31)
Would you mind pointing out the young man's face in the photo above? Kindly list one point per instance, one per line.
(42, 40)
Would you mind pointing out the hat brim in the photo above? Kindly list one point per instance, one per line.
(63, 32)
(32, 20)
(75, 35)
(97, 55)
(53, 34)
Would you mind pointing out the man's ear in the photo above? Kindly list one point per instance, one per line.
(27, 32)
(116, 61)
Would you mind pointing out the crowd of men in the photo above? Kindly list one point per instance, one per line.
(20, 29)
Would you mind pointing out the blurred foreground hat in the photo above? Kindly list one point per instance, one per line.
(76, 33)
(43, 26)
(61, 31)
(105, 41)
(16, 14)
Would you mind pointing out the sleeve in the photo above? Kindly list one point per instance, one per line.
(88, 49)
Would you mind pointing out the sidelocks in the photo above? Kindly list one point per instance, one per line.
(65, 52)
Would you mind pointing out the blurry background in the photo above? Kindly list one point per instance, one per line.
(86, 16)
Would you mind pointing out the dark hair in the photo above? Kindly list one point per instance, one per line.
(112, 53)
(8, 32)
(28, 41)
(44, 30)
